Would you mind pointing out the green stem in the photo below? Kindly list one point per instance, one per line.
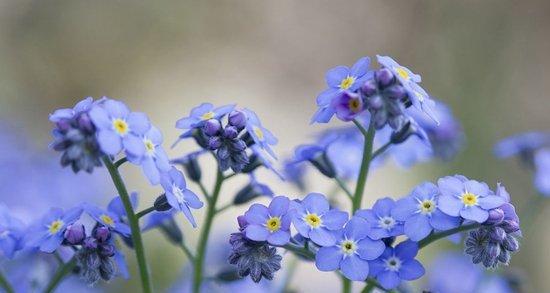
(436, 236)
(371, 284)
(4, 283)
(120, 162)
(381, 150)
(187, 252)
(224, 207)
(203, 240)
(61, 273)
(204, 191)
(346, 285)
(145, 212)
(134, 225)
(365, 163)
(344, 187)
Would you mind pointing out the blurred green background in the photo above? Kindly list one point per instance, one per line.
(487, 59)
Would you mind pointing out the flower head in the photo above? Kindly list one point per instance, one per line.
(469, 199)
(108, 219)
(48, 233)
(202, 113)
(352, 250)
(271, 224)
(177, 194)
(523, 145)
(261, 135)
(397, 264)
(347, 105)
(380, 219)
(11, 233)
(420, 213)
(542, 171)
(339, 79)
(154, 160)
(315, 220)
(118, 128)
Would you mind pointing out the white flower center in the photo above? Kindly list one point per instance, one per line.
(386, 222)
(392, 264)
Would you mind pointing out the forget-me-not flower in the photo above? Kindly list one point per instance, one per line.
(202, 113)
(382, 223)
(108, 218)
(154, 160)
(271, 224)
(11, 233)
(48, 234)
(177, 194)
(261, 135)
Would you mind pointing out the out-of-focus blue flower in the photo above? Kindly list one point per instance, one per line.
(420, 213)
(271, 224)
(48, 233)
(315, 220)
(265, 161)
(352, 251)
(118, 128)
(67, 113)
(155, 160)
(11, 233)
(202, 113)
(542, 171)
(397, 264)
(294, 172)
(466, 198)
(317, 156)
(523, 144)
(251, 191)
(379, 218)
(417, 95)
(177, 194)
(108, 218)
(340, 78)
(453, 273)
(261, 135)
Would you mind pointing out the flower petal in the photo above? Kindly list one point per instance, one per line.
(388, 279)
(354, 268)
(417, 227)
(411, 270)
(279, 206)
(328, 258)
(370, 249)
(334, 219)
(335, 75)
(474, 213)
(109, 142)
(404, 208)
(279, 238)
(442, 221)
(450, 205)
(322, 237)
(256, 232)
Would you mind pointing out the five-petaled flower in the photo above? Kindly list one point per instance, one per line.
(177, 194)
(271, 224)
(397, 264)
(202, 113)
(154, 160)
(108, 218)
(382, 223)
(48, 233)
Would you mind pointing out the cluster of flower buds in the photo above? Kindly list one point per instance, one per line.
(228, 141)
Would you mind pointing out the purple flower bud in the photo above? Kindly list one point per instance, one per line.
(212, 127)
(242, 222)
(497, 234)
(495, 216)
(375, 102)
(230, 132)
(214, 142)
(90, 243)
(384, 77)
(237, 118)
(510, 226)
(396, 92)
(101, 233)
(223, 153)
(510, 243)
(106, 250)
(238, 145)
(369, 88)
(85, 123)
(75, 234)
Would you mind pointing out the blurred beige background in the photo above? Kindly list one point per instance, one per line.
(487, 59)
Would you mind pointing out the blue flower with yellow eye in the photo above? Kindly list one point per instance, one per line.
(339, 79)
(271, 224)
(261, 135)
(108, 218)
(48, 233)
(155, 160)
(202, 113)
(118, 128)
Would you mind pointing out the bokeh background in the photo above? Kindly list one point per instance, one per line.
(487, 59)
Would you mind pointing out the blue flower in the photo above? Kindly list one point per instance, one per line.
(352, 251)
(294, 171)
(118, 128)
(453, 273)
(261, 135)
(542, 171)
(202, 113)
(68, 113)
(397, 264)
(523, 144)
(315, 220)
(382, 223)
(11, 233)
(155, 160)
(338, 79)
(48, 233)
(177, 194)
(271, 224)
(417, 95)
(251, 191)
(466, 198)
(420, 213)
(108, 218)
(347, 105)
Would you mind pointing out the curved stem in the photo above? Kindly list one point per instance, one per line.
(436, 236)
(60, 274)
(145, 212)
(381, 150)
(133, 221)
(204, 191)
(203, 240)
(4, 283)
(120, 162)
(365, 164)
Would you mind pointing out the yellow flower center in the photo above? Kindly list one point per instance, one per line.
(355, 105)
(55, 226)
(120, 126)
(347, 82)
(313, 220)
(348, 247)
(149, 146)
(259, 133)
(469, 199)
(427, 206)
(402, 72)
(273, 224)
(107, 220)
(208, 115)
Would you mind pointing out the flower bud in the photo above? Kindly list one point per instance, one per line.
(107, 269)
(90, 243)
(510, 226)
(250, 192)
(75, 234)
(324, 165)
(214, 142)
(490, 257)
(237, 145)
(161, 203)
(101, 233)
(191, 166)
(242, 222)
(510, 243)
(230, 132)
(396, 92)
(495, 216)
(237, 118)
(212, 127)
(384, 77)
(375, 102)
(106, 250)
(369, 88)
(497, 234)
